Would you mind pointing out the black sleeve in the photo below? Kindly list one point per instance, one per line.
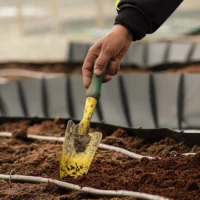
(142, 17)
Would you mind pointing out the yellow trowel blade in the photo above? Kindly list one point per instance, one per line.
(78, 151)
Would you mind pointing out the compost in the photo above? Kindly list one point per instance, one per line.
(174, 176)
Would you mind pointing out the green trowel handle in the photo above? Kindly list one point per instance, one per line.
(94, 89)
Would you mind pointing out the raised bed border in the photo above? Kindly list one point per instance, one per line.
(145, 54)
(190, 137)
(148, 100)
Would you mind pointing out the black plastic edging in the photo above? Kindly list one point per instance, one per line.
(146, 55)
(139, 53)
(191, 52)
(151, 135)
(10, 98)
(131, 100)
(180, 101)
(22, 98)
(70, 53)
(152, 95)
(69, 97)
(167, 51)
(111, 103)
(2, 107)
(125, 101)
(44, 98)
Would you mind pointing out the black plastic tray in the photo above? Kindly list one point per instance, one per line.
(146, 55)
(135, 100)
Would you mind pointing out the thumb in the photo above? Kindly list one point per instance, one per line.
(100, 64)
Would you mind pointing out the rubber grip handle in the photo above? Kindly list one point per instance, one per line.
(94, 90)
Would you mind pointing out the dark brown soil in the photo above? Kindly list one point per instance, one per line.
(42, 67)
(174, 176)
(69, 68)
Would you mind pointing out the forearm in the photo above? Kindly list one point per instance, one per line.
(142, 17)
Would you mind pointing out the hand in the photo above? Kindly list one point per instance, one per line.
(111, 48)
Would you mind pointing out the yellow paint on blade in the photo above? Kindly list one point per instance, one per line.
(90, 106)
(117, 4)
(76, 164)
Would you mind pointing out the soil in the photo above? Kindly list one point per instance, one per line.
(174, 176)
(75, 68)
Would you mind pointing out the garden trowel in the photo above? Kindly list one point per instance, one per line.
(79, 146)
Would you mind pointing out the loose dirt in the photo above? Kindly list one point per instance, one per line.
(75, 68)
(174, 176)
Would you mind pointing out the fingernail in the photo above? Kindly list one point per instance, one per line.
(86, 82)
(97, 71)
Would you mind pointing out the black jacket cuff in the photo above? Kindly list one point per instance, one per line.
(135, 21)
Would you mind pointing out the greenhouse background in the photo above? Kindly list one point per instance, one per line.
(143, 140)
(41, 30)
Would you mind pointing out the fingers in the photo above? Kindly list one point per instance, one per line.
(112, 48)
(87, 76)
(107, 78)
(87, 69)
(100, 66)
(101, 62)
(114, 67)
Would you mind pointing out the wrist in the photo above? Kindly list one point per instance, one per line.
(124, 30)
(139, 25)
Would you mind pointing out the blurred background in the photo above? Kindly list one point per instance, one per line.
(40, 30)
(43, 44)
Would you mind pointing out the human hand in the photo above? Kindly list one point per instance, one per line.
(110, 48)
